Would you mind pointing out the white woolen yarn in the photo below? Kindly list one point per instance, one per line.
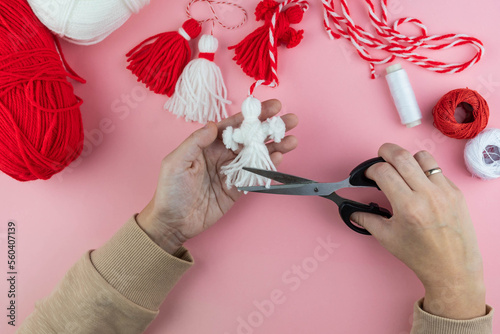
(85, 22)
(252, 135)
(200, 93)
(482, 154)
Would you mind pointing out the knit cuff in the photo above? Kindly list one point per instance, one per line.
(138, 268)
(426, 323)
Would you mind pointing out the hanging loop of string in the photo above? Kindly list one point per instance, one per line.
(215, 17)
(389, 39)
(258, 83)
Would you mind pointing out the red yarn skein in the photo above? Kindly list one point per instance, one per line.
(474, 103)
(41, 128)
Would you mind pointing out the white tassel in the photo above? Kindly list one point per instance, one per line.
(200, 93)
(252, 135)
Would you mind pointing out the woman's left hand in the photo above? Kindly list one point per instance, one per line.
(191, 194)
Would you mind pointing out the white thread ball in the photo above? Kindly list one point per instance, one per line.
(251, 108)
(482, 154)
(208, 44)
(85, 22)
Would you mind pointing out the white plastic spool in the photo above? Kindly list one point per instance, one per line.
(403, 96)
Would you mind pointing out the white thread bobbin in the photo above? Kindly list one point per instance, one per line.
(403, 96)
(482, 154)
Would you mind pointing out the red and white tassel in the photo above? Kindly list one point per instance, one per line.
(257, 54)
(252, 135)
(200, 94)
(159, 60)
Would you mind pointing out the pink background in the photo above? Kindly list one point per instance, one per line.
(344, 117)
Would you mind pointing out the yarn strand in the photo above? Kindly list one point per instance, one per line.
(396, 44)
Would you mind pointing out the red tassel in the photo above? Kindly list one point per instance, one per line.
(253, 53)
(159, 60)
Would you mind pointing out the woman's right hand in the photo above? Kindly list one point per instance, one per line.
(431, 232)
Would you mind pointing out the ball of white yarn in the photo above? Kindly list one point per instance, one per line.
(85, 22)
(482, 154)
(208, 44)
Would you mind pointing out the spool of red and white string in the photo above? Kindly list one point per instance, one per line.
(393, 42)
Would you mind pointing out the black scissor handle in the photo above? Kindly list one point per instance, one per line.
(348, 207)
(357, 176)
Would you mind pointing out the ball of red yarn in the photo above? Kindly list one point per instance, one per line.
(473, 103)
(40, 122)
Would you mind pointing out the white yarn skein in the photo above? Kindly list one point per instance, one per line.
(482, 154)
(200, 93)
(85, 22)
(403, 96)
(252, 135)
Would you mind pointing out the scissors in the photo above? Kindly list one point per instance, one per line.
(294, 185)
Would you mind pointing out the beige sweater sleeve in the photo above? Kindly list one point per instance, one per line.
(117, 288)
(426, 323)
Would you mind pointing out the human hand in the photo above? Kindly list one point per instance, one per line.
(431, 232)
(191, 194)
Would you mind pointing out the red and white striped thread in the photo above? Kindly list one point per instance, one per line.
(215, 17)
(257, 84)
(393, 42)
(273, 47)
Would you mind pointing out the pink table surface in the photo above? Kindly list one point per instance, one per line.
(344, 118)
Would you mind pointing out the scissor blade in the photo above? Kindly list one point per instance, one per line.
(310, 189)
(277, 176)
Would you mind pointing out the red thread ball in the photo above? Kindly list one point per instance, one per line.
(473, 103)
(40, 122)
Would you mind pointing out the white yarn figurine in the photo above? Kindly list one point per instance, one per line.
(85, 22)
(252, 135)
(200, 93)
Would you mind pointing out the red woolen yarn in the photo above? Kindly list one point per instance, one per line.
(40, 122)
(476, 121)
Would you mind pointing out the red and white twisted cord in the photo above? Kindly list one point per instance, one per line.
(215, 18)
(273, 47)
(392, 41)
